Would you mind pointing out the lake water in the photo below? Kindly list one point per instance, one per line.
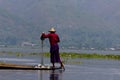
(89, 69)
(29, 50)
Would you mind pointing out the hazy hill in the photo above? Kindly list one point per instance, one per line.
(81, 23)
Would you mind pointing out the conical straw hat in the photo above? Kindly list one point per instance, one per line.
(52, 30)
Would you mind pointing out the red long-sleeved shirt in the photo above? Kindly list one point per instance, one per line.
(53, 38)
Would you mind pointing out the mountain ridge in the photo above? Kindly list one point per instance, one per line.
(80, 23)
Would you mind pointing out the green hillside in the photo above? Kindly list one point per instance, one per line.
(13, 28)
(80, 23)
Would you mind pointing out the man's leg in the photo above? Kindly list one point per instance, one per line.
(53, 65)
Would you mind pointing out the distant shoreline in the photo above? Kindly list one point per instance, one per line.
(69, 55)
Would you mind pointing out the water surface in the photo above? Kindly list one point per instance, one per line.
(89, 69)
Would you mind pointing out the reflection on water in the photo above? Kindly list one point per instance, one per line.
(53, 75)
(40, 75)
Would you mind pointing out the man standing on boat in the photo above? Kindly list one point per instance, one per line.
(54, 47)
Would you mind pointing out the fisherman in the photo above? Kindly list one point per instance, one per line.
(54, 47)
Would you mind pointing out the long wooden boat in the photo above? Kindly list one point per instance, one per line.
(11, 66)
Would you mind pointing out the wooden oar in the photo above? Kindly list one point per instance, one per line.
(42, 60)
